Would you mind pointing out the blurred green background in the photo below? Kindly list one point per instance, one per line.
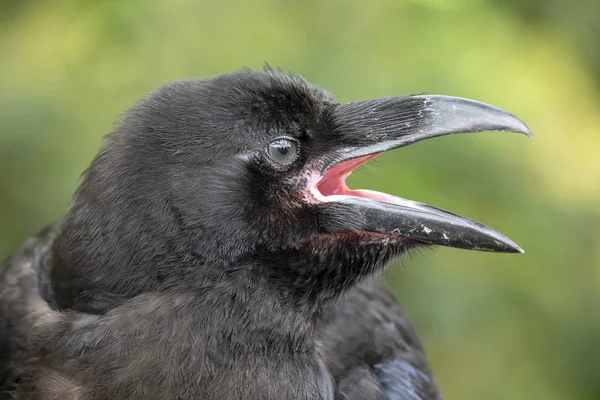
(495, 326)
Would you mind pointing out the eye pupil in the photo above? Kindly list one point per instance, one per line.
(283, 151)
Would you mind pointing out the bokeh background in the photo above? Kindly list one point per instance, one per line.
(495, 326)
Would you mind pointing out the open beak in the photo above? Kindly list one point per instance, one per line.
(364, 129)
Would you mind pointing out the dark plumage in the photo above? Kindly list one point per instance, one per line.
(213, 251)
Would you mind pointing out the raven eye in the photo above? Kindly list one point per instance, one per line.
(283, 151)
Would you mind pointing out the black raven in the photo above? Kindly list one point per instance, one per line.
(214, 251)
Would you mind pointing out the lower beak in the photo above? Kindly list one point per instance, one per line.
(373, 126)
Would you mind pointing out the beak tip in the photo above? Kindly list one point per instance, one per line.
(500, 244)
(524, 129)
(514, 124)
(512, 247)
(459, 115)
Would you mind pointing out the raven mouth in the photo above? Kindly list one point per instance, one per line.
(374, 126)
(331, 186)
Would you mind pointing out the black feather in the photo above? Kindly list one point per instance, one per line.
(190, 265)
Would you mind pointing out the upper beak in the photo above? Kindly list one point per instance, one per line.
(374, 126)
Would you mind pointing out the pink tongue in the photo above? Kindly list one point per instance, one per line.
(333, 182)
(336, 185)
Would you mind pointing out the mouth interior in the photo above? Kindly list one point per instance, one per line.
(331, 186)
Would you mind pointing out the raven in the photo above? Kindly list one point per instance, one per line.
(214, 251)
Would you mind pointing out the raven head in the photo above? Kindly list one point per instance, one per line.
(244, 173)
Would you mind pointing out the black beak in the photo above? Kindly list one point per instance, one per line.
(374, 126)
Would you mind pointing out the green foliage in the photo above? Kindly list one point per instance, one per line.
(495, 326)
